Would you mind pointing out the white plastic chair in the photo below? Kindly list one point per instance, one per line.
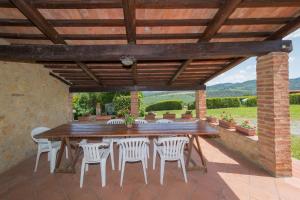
(170, 149)
(141, 121)
(164, 121)
(110, 140)
(94, 153)
(134, 150)
(44, 145)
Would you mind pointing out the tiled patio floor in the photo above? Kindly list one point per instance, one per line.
(229, 177)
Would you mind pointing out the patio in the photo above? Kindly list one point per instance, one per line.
(229, 176)
(51, 49)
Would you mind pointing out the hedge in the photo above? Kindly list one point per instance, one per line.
(165, 105)
(250, 102)
(226, 102)
(294, 98)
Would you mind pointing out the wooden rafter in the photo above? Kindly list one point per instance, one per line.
(43, 25)
(285, 30)
(221, 16)
(60, 79)
(83, 53)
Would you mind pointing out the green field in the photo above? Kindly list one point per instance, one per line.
(240, 112)
(250, 113)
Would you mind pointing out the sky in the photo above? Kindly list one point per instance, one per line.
(247, 70)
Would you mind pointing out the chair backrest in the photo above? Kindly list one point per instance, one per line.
(115, 121)
(141, 121)
(92, 152)
(172, 147)
(134, 148)
(164, 121)
(37, 131)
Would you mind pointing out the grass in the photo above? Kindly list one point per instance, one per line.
(248, 113)
(240, 112)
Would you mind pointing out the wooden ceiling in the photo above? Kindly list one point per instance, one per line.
(213, 37)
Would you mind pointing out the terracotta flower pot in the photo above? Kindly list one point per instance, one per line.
(246, 131)
(211, 119)
(129, 125)
(169, 116)
(84, 118)
(226, 124)
(150, 117)
(186, 116)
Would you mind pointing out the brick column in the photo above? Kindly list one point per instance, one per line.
(273, 113)
(134, 107)
(200, 103)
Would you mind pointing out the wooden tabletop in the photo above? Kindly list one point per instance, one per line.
(76, 130)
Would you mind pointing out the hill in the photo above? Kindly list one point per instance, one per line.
(218, 90)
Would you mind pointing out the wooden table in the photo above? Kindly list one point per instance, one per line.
(74, 132)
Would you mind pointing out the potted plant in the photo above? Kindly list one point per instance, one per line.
(212, 120)
(169, 115)
(129, 120)
(85, 116)
(187, 115)
(246, 129)
(150, 116)
(227, 121)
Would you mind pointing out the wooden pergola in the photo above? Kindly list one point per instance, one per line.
(171, 44)
(176, 45)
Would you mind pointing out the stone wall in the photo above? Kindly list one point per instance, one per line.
(29, 97)
(244, 145)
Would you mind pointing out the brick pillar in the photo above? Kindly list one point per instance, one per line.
(200, 103)
(273, 113)
(70, 107)
(134, 107)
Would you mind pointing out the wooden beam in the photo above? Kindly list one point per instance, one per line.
(142, 23)
(134, 74)
(135, 88)
(60, 79)
(82, 53)
(221, 16)
(88, 72)
(79, 4)
(282, 32)
(38, 20)
(26, 36)
(129, 18)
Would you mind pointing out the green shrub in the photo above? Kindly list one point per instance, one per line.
(250, 102)
(121, 103)
(165, 105)
(294, 98)
(223, 102)
(191, 106)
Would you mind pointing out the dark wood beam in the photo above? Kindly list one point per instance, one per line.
(221, 16)
(139, 36)
(38, 20)
(88, 72)
(269, 3)
(282, 32)
(81, 53)
(142, 23)
(134, 74)
(60, 79)
(135, 88)
(129, 18)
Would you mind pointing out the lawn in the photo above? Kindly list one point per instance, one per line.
(250, 113)
(240, 112)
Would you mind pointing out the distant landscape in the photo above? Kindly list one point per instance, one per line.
(219, 90)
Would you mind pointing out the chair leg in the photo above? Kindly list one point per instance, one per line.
(53, 160)
(67, 153)
(37, 159)
(144, 170)
(122, 172)
(162, 170)
(112, 159)
(82, 173)
(178, 163)
(120, 158)
(183, 169)
(154, 156)
(49, 156)
(103, 173)
(86, 167)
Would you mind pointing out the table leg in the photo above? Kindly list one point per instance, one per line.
(60, 153)
(190, 146)
(198, 149)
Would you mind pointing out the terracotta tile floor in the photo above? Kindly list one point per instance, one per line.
(229, 177)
